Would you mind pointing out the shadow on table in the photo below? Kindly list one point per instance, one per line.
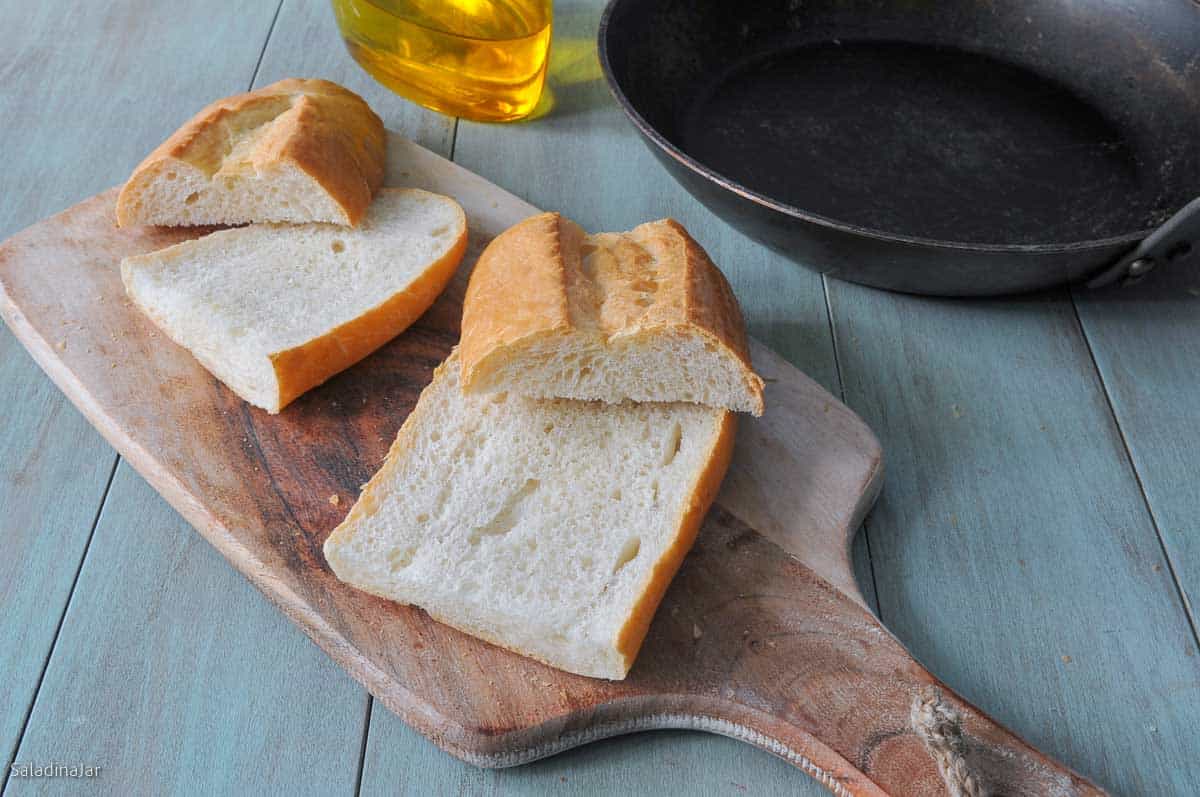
(1174, 282)
(574, 82)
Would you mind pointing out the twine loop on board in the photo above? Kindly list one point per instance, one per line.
(939, 726)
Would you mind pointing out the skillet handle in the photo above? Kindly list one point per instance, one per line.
(1175, 238)
(807, 673)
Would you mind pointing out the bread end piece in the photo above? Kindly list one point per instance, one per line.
(643, 315)
(295, 151)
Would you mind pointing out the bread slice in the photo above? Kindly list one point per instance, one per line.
(274, 309)
(297, 151)
(642, 315)
(551, 528)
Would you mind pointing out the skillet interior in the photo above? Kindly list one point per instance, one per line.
(1019, 123)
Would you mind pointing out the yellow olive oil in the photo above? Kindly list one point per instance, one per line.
(479, 59)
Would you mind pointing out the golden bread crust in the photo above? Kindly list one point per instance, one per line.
(545, 278)
(517, 290)
(318, 127)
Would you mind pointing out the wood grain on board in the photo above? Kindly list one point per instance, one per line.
(80, 107)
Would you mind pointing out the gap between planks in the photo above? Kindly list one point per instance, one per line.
(1137, 476)
(362, 750)
(263, 51)
(453, 137)
(16, 749)
(841, 394)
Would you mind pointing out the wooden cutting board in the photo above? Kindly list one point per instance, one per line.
(763, 636)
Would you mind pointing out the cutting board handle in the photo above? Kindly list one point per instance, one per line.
(850, 705)
(874, 754)
(800, 669)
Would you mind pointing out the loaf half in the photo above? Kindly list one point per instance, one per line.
(551, 528)
(294, 151)
(274, 309)
(642, 315)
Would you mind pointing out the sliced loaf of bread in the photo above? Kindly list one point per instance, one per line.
(295, 151)
(643, 315)
(551, 528)
(275, 309)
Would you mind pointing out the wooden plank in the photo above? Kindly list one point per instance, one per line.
(86, 106)
(1146, 343)
(176, 677)
(1012, 550)
(56, 470)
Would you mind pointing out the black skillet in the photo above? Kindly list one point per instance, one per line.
(954, 147)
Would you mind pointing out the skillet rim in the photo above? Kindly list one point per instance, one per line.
(651, 133)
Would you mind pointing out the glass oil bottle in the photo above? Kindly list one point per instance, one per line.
(478, 59)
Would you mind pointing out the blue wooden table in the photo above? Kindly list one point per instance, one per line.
(1037, 544)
